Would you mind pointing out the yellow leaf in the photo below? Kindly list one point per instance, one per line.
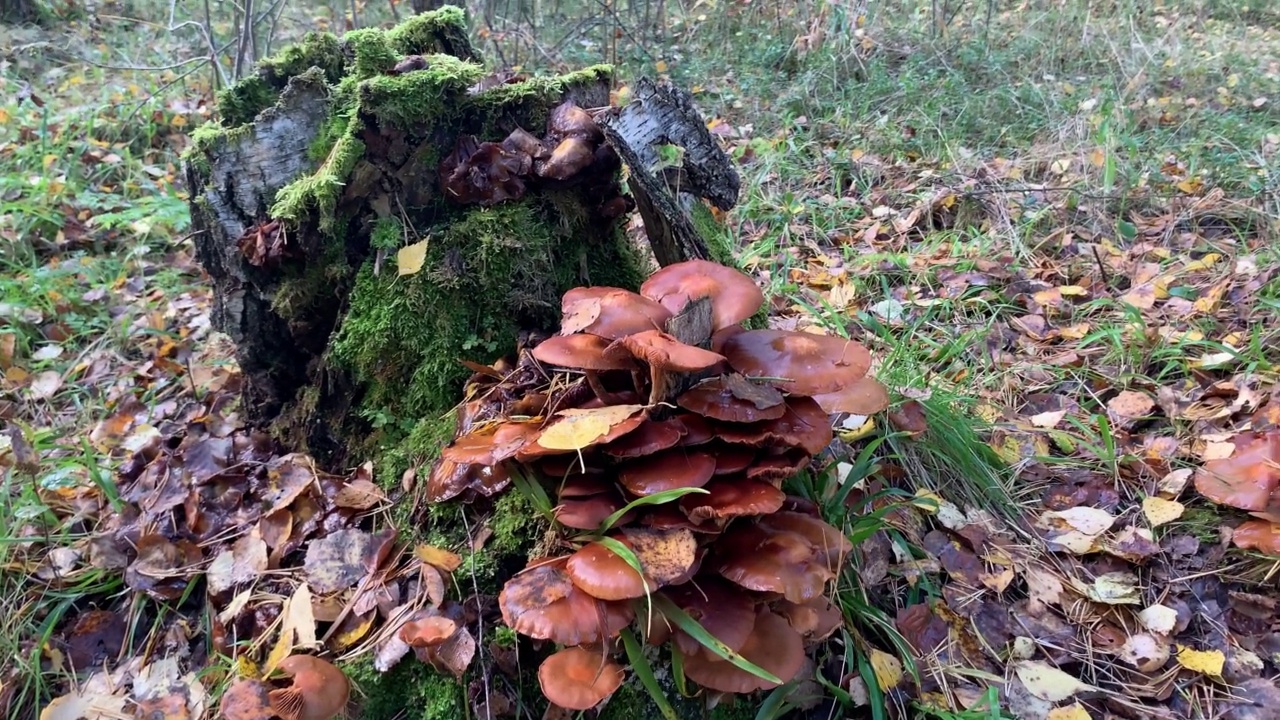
(1075, 332)
(442, 559)
(1191, 185)
(1209, 662)
(1205, 263)
(4, 116)
(1072, 290)
(888, 669)
(580, 428)
(1047, 682)
(178, 121)
(1160, 511)
(1098, 158)
(409, 259)
(1074, 711)
(660, 66)
(297, 628)
(347, 638)
(49, 160)
(864, 430)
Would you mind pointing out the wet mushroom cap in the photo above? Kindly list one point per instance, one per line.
(831, 544)
(815, 619)
(722, 609)
(569, 120)
(864, 396)
(428, 632)
(662, 351)
(649, 438)
(766, 560)
(602, 574)
(491, 445)
(609, 312)
(570, 157)
(580, 351)
(804, 425)
(780, 466)
(731, 459)
(319, 690)
(732, 497)
(809, 364)
(733, 398)
(544, 604)
(667, 470)
(772, 645)
(586, 513)
(734, 296)
(578, 679)
(449, 479)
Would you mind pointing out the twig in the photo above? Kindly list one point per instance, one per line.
(1102, 268)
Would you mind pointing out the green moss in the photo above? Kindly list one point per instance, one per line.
(420, 99)
(241, 103)
(388, 234)
(485, 276)
(316, 49)
(372, 53)
(320, 190)
(718, 238)
(306, 286)
(527, 102)
(440, 31)
(411, 690)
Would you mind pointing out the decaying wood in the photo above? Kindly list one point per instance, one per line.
(664, 115)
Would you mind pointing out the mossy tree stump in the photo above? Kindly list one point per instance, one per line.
(326, 163)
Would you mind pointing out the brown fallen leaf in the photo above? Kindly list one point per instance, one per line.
(1130, 405)
(338, 560)
(359, 495)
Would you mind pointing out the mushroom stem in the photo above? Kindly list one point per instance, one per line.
(606, 397)
(637, 379)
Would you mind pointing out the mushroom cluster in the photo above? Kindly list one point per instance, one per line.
(664, 432)
(572, 152)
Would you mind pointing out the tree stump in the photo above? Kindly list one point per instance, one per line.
(328, 172)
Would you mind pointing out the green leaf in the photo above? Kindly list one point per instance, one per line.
(677, 671)
(533, 490)
(695, 630)
(635, 655)
(775, 705)
(655, 499)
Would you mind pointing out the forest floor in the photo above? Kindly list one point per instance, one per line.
(1056, 230)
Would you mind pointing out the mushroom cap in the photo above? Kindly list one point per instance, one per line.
(772, 645)
(722, 609)
(732, 497)
(601, 573)
(449, 479)
(804, 425)
(811, 364)
(1249, 477)
(719, 337)
(544, 604)
(733, 398)
(483, 173)
(523, 141)
(586, 513)
(580, 351)
(578, 679)
(570, 157)
(766, 560)
(491, 444)
(864, 396)
(731, 459)
(663, 352)
(734, 296)
(428, 631)
(609, 312)
(319, 690)
(815, 619)
(667, 470)
(831, 544)
(584, 485)
(246, 699)
(780, 466)
(697, 431)
(651, 437)
(567, 119)
(669, 517)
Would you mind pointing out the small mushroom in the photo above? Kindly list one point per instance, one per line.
(569, 120)
(601, 573)
(815, 619)
(543, 603)
(521, 141)
(776, 467)
(722, 609)
(808, 364)
(665, 356)
(449, 479)
(772, 645)
(492, 444)
(667, 470)
(578, 679)
(583, 352)
(804, 425)
(319, 690)
(831, 544)
(734, 295)
(651, 437)
(609, 312)
(570, 157)
(587, 512)
(481, 173)
(764, 559)
(731, 459)
(733, 398)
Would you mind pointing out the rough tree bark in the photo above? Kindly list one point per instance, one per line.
(325, 167)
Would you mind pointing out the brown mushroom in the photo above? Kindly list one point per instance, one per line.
(734, 296)
(583, 352)
(831, 545)
(569, 120)
(649, 438)
(428, 631)
(808, 364)
(777, 467)
(733, 398)
(482, 173)
(772, 645)
(864, 396)
(318, 691)
(246, 699)
(449, 479)
(570, 157)
(578, 679)
(601, 573)
(587, 512)
(763, 559)
(815, 619)
(665, 356)
(696, 430)
(732, 497)
(669, 517)
(804, 425)
(522, 141)
(722, 609)
(609, 312)
(543, 603)
(491, 444)
(667, 470)
(731, 459)
(1249, 478)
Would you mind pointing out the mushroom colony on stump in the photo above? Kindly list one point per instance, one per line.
(664, 391)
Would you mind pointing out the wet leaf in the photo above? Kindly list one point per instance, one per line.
(1114, 588)
(1208, 662)
(359, 495)
(1086, 520)
(1074, 711)
(240, 563)
(410, 258)
(338, 561)
(442, 559)
(665, 555)
(1047, 682)
(297, 628)
(577, 429)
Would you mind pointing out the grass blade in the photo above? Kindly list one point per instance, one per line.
(635, 656)
(695, 630)
(665, 496)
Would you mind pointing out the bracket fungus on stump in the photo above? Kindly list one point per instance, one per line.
(628, 409)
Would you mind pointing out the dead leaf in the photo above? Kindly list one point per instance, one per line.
(1113, 588)
(297, 628)
(240, 563)
(1145, 652)
(410, 258)
(87, 706)
(1159, 619)
(44, 385)
(1047, 682)
(338, 560)
(665, 555)
(1160, 511)
(442, 559)
(359, 495)
(887, 668)
(1086, 520)
(578, 429)
(1129, 404)
(1074, 711)
(1208, 662)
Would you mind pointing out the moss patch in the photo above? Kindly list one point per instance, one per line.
(411, 690)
